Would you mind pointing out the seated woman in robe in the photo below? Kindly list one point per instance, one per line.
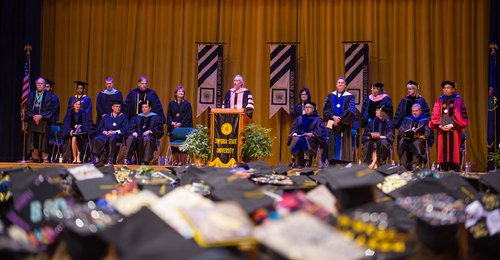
(377, 140)
(75, 131)
(307, 137)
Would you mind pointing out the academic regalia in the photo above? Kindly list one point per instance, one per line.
(179, 113)
(86, 104)
(241, 98)
(145, 146)
(371, 103)
(104, 102)
(448, 143)
(307, 124)
(104, 146)
(411, 148)
(340, 136)
(39, 104)
(404, 109)
(298, 110)
(381, 146)
(71, 120)
(57, 109)
(136, 96)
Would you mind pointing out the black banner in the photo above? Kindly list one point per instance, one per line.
(225, 141)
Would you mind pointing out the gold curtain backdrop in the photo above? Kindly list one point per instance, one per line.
(426, 41)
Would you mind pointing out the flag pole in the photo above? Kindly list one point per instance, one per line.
(24, 125)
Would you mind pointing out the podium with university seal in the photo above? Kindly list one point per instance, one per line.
(226, 135)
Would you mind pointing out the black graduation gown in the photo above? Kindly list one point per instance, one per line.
(404, 110)
(57, 108)
(307, 124)
(340, 136)
(381, 146)
(105, 146)
(179, 113)
(70, 121)
(38, 135)
(369, 106)
(104, 103)
(411, 148)
(86, 102)
(145, 146)
(136, 96)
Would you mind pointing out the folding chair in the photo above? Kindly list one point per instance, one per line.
(463, 150)
(176, 139)
(56, 142)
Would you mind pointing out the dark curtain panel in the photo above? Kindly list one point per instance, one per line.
(20, 24)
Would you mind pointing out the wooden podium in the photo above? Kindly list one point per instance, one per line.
(226, 135)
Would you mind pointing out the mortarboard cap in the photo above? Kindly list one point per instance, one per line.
(459, 188)
(492, 180)
(91, 189)
(482, 225)
(297, 236)
(377, 84)
(447, 82)
(50, 82)
(80, 83)
(353, 186)
(248, 195)
(144, 102)
(22, 178)
(216, 231)
(282, 169)
(117, 102)
(145, 236)
(311, 103)
(388, 169)
(413, 83)
(439, 219)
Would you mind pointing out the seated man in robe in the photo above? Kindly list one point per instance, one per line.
(144, 130)
(413, 135)
(308, 133)
(112, 128)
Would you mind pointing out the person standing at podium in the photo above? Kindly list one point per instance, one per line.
(239, 97)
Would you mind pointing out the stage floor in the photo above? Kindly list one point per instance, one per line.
(69, 165)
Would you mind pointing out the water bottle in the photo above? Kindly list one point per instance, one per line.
(60, 158)
(161, 160)
(393, 163)
(468, 167)
(326, 163)
(433, 167)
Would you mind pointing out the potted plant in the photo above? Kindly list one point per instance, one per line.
(257, 143)
(197, 144)
(495, 157)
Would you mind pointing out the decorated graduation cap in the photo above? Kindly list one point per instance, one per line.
(80, 83)
(492, 180)
(413, 83)
(377, 84)
(447, 82)
(439, 217)
(145, 235)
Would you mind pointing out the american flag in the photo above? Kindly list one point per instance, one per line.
(26, 79)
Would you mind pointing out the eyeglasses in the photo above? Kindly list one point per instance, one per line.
(309, 107)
